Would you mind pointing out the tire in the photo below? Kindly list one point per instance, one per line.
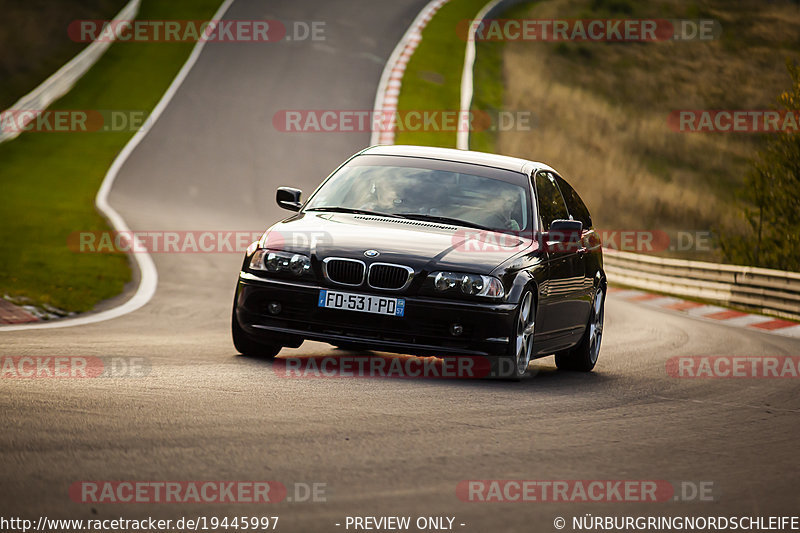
(514, 366)
(583, 357)
(245, 345)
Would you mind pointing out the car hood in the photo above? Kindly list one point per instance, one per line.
(418, 244)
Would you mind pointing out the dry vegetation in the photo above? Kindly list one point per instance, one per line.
(34, 41)
(602, 109)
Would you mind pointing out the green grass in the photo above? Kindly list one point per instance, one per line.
(488, 85)
(48, 181)
(432, 81)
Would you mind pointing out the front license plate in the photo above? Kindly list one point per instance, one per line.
(366, 303)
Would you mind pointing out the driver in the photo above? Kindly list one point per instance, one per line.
(504, 208)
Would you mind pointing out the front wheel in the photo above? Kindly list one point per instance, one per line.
(583, 357)
(515, 365)
(247, 346)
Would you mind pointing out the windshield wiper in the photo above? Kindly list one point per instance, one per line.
(445, 220)
(340, 209)
(411, 216)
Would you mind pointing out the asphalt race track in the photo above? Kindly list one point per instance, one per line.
(382, 447)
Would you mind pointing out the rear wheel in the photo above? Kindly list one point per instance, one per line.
(245, 345)
(583, 357)
(515, 365)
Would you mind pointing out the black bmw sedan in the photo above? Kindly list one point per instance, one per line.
(429, 251)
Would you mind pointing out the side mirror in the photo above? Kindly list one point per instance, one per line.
(566, 226)
(565, 235)
(289, 198)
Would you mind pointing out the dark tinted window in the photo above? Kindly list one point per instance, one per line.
(575, 205)
(415, 189)
(551, 205)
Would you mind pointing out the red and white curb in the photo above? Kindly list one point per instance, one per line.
(714, 313)
(388, 92)
(12, 314)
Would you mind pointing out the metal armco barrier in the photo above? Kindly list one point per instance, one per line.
(762, 290)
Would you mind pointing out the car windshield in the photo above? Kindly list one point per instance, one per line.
(426, 194)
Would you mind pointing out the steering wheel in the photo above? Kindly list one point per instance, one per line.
(496, 220)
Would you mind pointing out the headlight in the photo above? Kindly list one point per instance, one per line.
(445, 281)
(469, 284)
(299, 264)
(280, 262)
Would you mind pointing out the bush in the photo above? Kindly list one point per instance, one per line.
(772, 196)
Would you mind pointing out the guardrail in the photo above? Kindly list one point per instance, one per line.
(60, 83)
(762, 290)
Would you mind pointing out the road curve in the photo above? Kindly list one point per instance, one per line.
(382, 446)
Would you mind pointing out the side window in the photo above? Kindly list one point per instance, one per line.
(575, 205)
(551, 205)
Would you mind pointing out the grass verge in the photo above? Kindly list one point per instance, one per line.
(49, 180)
(432, 80)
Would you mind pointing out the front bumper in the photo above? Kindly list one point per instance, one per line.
(423, 330)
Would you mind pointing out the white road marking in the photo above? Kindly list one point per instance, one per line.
(462, 137)
(746, 320)
(705, 310)
(792, 331)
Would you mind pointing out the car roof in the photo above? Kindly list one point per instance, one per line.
(461, 156)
